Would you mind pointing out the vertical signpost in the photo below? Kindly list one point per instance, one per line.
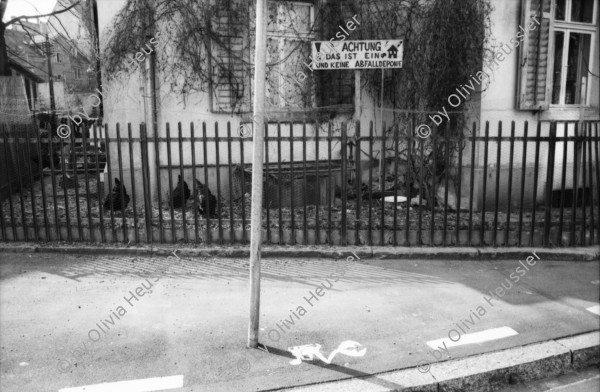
(326, 55)
(51, 87)
(357, 103)
(260, 62)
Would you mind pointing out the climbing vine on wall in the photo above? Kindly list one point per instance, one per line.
(443, 40)
(445, 44)
(212, 44)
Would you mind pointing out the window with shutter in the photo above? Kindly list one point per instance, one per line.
(556, 59)
(533, 59)
(575, 29)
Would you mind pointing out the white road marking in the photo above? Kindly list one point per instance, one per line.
(594, 309)
(144, 385)
(471, 338)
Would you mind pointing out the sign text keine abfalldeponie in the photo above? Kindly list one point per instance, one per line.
(357, 54)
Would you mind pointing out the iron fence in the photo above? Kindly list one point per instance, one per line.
(324, 184)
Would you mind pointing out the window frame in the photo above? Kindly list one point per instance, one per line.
(567, 27)
(281, 36)
(276, 113)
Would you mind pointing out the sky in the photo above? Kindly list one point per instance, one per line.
(28, 7)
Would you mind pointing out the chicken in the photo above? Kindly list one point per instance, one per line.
(351, 190)
(113, 201)
(68, 182)
(203, 197)
(180, 194)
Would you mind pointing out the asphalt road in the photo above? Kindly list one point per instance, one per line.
(187, 323)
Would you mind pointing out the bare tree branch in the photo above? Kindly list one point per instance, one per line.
(18, 18)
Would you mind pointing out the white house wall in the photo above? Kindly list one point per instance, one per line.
(498, 103)
(128, 100)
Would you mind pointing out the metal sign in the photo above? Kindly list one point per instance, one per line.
(328, 55)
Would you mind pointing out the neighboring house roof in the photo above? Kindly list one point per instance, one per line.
(23, 52)
(24, 56)
(24, 71)
(63, 43)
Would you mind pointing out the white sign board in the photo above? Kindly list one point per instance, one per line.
(327, 55)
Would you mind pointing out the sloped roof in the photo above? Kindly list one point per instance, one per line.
(27, 56)
(24, 71)
(23, 56)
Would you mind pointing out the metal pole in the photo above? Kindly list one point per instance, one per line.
(260, 61)
(51, 87)
(153, 168)
(382, 145)
(357, 107)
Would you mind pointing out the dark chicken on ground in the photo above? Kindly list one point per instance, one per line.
(180, 194)
(68, 182)
(203, 198)
(113, 201)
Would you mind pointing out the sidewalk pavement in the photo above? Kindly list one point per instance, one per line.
(450, 324)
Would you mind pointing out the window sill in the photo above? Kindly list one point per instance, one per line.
(570, 113)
